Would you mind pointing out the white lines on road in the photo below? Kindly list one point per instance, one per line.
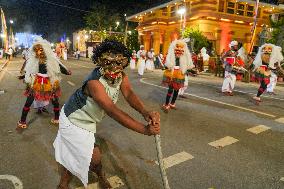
(282, 179)
(223, 142)
(280, 120)
(216, 101)
(258, 129)
(15, 180)
(71, 83)
(114, 181)
(176, 159)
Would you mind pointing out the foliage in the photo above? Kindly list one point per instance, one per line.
(197, 38)
(132, 42)
(277, 32)
(101, 19)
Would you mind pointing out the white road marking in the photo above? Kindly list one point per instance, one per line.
(216, 101)
(223, 142)
(282, 179)
(114, 181)
(81, 65)
(237, 90)
(258, 129)
(280, 120)
(176, 159)
(16, 182)
(70, 83)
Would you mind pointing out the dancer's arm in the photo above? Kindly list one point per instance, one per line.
(97, 91)
(135, 102)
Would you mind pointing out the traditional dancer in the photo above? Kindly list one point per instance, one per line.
(75, 141)
(178, 62)
(141, 55)
(133, 60)
(205, 58)
(42, 78)
(150, 60)
(232, 63)
(272, 83)
(267, 60)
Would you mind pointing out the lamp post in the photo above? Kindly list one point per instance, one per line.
(117, 24)
(181, 12)
(78, 39)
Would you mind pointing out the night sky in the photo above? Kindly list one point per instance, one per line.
(53, 21)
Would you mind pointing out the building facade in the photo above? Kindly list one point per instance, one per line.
(219, 20)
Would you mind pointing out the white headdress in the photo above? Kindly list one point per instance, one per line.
(243, 54)
(52, 62)
(233, 43)
(276, 56)
(185, 59)
(204, 54)
(141, 46)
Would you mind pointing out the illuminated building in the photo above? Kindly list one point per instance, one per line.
(219, 20)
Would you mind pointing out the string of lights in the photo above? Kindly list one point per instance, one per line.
(64, 6)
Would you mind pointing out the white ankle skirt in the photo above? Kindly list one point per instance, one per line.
(74, 148)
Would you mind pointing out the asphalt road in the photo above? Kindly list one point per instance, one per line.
(243, 160)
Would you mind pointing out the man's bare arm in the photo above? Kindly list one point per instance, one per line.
(132, 99)
(97, 91)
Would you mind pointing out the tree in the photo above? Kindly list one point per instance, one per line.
(101, 18)
(277, 32)
(198, 40)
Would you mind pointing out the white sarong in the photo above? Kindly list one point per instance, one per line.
(182, 90)
(74, 148)
(150, 65)
(229, 82)
(272, 83)
(141, 66)
(132, 64)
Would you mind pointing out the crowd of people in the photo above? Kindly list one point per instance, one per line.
(99, 93)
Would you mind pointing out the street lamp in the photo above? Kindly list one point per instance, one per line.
(11, 22)
(182, 11)
(86, 37)
(117, 24)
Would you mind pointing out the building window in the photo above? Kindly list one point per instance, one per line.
(221, 5)
(230, 11)
(241, 7)
(164, 11)
(173, 11)
(250, 14)
(231, 7)
(250, 8)
(240, 12)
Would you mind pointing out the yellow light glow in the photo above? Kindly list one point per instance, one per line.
(224, 19)
(154, 23)
(240, 22)
(172, 22)
(193, 18)
(212, 18)
(162, 22)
